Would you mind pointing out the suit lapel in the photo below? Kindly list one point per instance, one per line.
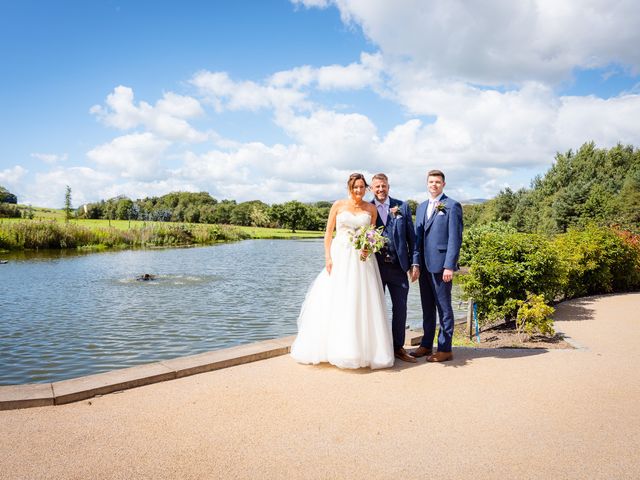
(429, 221)
(378, 219)
(390, 219)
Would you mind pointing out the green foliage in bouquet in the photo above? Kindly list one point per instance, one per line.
(368, 240)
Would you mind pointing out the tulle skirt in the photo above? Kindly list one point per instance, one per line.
(343, 319)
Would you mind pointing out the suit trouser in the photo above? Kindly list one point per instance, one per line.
(396, 281)
(435, 295)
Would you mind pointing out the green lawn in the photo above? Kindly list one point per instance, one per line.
(254, 232)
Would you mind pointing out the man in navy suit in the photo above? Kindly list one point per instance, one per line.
(438, 238)
(396, 258)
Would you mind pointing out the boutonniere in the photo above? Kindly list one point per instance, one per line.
(440, 207)
(395, 212)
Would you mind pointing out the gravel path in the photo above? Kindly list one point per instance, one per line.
(508, 414)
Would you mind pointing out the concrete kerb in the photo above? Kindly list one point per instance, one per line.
(81, 388)
(76, 389)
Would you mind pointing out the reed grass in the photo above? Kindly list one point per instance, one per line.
(43, 234)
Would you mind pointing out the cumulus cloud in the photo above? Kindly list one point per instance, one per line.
(50, 158)
(224, 94)
(606, 122)
(271, 173)
(473, 89)
(13, 175)
(312, 3)
(136, 156)
(497, 42)
(357, 75)
(48, 188)
(288, 89)
(167, 119)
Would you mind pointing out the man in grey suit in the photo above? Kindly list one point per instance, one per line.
(438, 239)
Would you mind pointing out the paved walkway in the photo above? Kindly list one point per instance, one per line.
(507, 414)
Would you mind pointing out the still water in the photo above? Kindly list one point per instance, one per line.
(65, 314)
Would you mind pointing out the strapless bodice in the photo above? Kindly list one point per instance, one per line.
(347, 223)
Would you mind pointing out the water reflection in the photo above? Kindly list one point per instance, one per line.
(67, 314)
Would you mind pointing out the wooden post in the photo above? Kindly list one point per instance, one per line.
(470, 329)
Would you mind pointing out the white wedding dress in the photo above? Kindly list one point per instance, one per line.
(343, 319)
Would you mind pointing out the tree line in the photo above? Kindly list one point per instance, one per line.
(574, 232)
(201, 207)
(591, 185)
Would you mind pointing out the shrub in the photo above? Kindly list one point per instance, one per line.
(508, 268)
(534, 316)
(8, 210)
(597, 260)
(472, 238)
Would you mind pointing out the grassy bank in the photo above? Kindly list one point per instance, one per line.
(18, 234)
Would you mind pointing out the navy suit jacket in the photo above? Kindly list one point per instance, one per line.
(439, 238)
(400, 232)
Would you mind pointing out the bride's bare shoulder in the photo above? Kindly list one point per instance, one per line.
(339, 205)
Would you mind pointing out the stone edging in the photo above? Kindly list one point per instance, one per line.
(75, 389)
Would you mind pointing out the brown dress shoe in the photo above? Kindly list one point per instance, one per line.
(421, 352)
(440, 357)
(402, 354)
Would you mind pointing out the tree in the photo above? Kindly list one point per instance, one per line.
(413, 206)
(588, 185)
(223, 210)
(67, 204)
(124, 208)
(629, 200)
(6, 196)
(294, 214)
(242, 213)
(505, 205)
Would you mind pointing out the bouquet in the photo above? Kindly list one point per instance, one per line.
(368, 240)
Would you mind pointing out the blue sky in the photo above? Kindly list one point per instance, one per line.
(279, 100)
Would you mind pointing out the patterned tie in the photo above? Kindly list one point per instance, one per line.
(382, 211)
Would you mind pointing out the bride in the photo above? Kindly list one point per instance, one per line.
(343, 319)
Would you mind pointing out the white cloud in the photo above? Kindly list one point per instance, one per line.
(48, 188)
(50, 158)
(312, 3)
(12, 176)
(168, 119)
(225, 94)
(340, 139)
(606, 122)
(137, 156)
(256, 171)
(499, 42)
(474, 84)
(357, 75)
(288, 89)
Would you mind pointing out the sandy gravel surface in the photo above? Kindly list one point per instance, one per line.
(508, 414)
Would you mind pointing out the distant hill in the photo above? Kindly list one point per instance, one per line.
(474, 201)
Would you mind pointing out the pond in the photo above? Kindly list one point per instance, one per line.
(67, 314)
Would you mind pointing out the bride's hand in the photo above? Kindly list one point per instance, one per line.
(328, 263)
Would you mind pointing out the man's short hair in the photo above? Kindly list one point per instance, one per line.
(435, 173)
(380, 176)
